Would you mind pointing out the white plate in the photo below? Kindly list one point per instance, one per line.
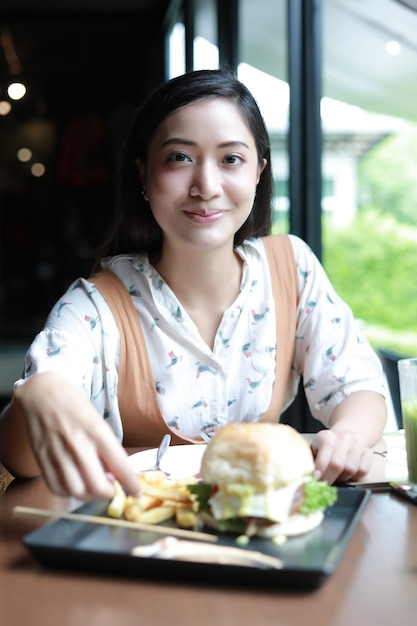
(180, 461)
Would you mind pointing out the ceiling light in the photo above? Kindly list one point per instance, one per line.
(24, 154)
(5, 107)
(393, 48)
(37, 169)
(16, 91)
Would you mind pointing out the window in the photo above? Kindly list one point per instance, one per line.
(263, 69)
(369, 152)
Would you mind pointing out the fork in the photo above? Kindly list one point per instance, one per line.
(163, 447)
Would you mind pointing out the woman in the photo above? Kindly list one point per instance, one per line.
(194, 203)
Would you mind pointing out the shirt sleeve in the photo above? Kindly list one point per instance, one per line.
(81, 342)
(331, 354)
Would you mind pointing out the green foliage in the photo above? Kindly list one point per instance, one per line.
(372, 265)
(373, 262)
(387, 177)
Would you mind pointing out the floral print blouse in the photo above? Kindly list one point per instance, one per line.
(200, 388)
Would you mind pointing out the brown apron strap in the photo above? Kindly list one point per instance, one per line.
(139, 407)
(284, 279)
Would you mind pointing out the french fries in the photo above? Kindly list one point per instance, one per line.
(161, 499)
(186, 517)
(116, 506)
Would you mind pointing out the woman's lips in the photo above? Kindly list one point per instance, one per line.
(204, 217)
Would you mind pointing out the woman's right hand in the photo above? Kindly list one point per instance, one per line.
(75, 449)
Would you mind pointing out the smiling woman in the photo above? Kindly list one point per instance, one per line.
(219, 319)
(138, 230)
(202, 168)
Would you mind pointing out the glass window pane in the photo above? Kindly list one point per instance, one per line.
(206, 53)
(369, 166)
(263, 69)
(205, 50)
(176, 48)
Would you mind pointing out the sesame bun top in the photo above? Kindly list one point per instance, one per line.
(260, 453)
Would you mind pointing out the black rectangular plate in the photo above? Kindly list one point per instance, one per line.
(307, 560)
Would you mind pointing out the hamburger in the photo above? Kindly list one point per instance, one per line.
(257, 479)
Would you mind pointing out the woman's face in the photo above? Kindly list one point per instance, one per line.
(201, 174)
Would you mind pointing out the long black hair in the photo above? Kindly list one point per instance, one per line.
(135, 229)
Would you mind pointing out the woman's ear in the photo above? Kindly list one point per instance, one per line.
(261, 168)
(142, 173)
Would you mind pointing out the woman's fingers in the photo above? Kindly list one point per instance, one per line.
(74, 446)
(358, 464)
(329, 458)
(340, 457)
(116, 461)
(101, 460)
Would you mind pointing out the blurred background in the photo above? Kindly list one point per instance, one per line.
(336, 81)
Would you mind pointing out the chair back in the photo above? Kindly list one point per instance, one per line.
(389, 362)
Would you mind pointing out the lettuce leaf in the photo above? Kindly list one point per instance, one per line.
(318, 495)
(203, 492)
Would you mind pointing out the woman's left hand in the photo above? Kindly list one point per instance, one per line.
(344, 452)
(341, 456)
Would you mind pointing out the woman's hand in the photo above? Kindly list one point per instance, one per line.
(344, 451)
(341, 457)
(75, 449)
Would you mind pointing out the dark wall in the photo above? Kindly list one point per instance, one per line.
(86, 71)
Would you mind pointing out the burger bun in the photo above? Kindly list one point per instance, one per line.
(262, 454)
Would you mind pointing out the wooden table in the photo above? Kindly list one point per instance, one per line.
(375, 582)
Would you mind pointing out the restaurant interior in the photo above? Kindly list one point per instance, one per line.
(334, 79)
(85, 65)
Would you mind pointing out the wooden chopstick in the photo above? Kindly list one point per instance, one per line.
(27, 511)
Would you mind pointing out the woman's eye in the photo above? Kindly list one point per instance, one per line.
(232, 159)
(178, 157)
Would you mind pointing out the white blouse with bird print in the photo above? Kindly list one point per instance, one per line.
(199, 388)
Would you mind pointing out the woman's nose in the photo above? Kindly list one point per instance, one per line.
(206, 182)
